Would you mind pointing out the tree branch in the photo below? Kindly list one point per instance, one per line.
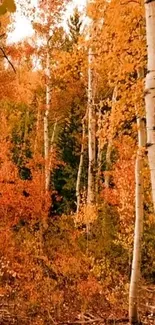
(6, 57)
(2, 35)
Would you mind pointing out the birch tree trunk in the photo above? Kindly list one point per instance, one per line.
(150, 89)
(46, 122)
(139, 210)
(51, 147)
(37, 129)
(99, 155)
(109, 147)
(91, 133)
(80, 165)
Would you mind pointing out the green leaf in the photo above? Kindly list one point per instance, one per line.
(3, 9)
(10, 5)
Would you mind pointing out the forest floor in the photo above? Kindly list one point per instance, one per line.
(70, 314)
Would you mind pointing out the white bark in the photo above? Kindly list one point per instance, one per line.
(91, 133)
(46, 122)
(99, 155)
(37, 129)
(50, 155)
(136, 263)
(109, 147)
(80, 165)
(150, 90)
(139, 209)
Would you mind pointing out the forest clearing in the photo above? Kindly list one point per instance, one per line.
(77, 162)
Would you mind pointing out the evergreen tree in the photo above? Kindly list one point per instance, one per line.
(74, 26)
(69, 149)
(69, 140)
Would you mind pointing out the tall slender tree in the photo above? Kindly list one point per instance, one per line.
(79, 174)
(110, 140)
(91, 133)
(49, 17)
(150, 89)
(139, 210)
(91, 195)
(46, 119)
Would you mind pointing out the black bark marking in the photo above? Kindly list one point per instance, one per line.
(146, 92)
(148, 1)
(143, 119)
(149, 144)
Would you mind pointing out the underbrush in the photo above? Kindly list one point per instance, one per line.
(62, 270)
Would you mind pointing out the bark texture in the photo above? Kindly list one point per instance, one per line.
(46, 124)
(150, 90)
(50, 154)
(91, 133)
(139, 210)
(136, 263)
(99, 156)
(80, 165)
(110, 140)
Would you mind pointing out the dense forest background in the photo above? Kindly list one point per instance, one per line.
(70, 104)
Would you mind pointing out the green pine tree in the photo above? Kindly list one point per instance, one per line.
(74, 30)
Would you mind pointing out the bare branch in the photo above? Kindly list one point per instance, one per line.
(51, 318)
(2, 35)
(6, 57)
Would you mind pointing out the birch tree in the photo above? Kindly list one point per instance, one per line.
(80, 164)
(49, 14)
(99, 154)
(139, 210)
(91, 121)
(91, 133)
(46, 122)
(48, 142)
(109, 147)
(136, 263)
(150, 89)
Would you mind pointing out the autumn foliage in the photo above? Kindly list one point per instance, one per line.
(61, 264)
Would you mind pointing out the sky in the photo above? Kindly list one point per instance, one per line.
(23, 28)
